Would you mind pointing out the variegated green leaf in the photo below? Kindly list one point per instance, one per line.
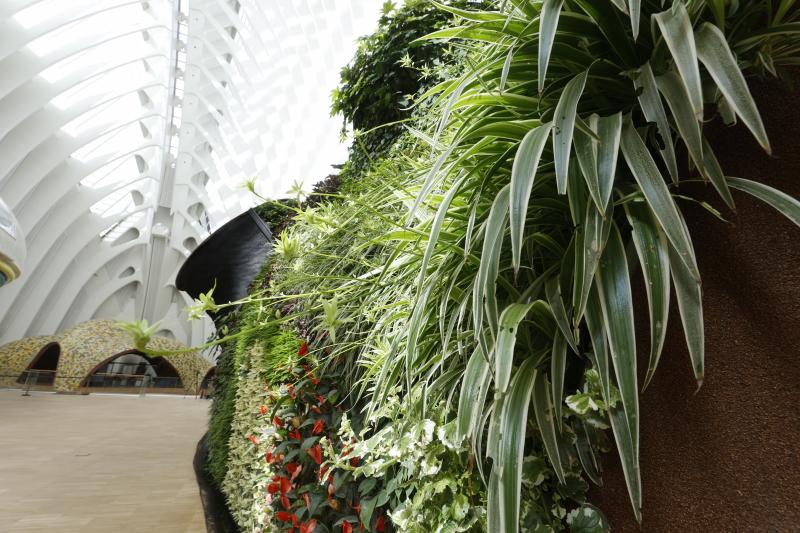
(554, 298)
(688, 293)
(595, 230)
(713, 51)
(788, 206)
(658, 197)
(676, 27)
(564, 127)
(474, 387)
(674, 91)
(484, 288)
(512, 443)
(652, 248)
(523, 173)
(614, 289)
(714, 173)
(545, 419)
(635, 11)
(653, 109)
(558, 367)
(548, 23)
(506, 340)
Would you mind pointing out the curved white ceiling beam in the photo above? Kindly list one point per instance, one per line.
(155, 112)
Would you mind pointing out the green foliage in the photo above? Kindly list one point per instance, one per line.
(222, 408)
(477, 281)
(140, 332)
(277, 214)
(377, 89)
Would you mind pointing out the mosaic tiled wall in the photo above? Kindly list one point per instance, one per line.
(87, 345)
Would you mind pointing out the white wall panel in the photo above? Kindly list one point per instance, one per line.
(127, 128)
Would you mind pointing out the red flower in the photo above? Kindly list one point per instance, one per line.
(272, 488)
(316, 409)
(284, 516)
(277, 422)
(294, 469)
(321, 473)
(292, 394)
(320, 399)
(307, 499)
(314, 380)
(380, 524)
(286, 485)
(355, 461)
(319, 427)
(303, 349)
(308, 527)
(295, 434)
(253, 439)
(346, 527)
(316, 453)
(285, 502)
(263, 409)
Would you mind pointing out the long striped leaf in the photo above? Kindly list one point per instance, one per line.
(554, 298)
(614, 289)
(609, 129)
(628, 453)
(436, 228)
(558, 367)
(635, 9)
(653, 109)
(676, 27)
(715, 175)
(512, 444)
(658, 197)
(781, 201)
(490, 258)
(564, 127)
(690, 304)
(594, 233)
(598, 158)
(629, 457)
(586, 454)
(674, 91)
(551, 10)
(713, 51)
(652, 248)
(545, 419)
(523, 173)
(506, 340)
(474, 386)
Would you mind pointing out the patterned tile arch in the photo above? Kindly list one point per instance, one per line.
(88, 344)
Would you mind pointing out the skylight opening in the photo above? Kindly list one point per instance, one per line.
(114, 142)
(42, 11)
(128, 75)
(98, 24)
(98, 57)
(115, 231)
(111, 112)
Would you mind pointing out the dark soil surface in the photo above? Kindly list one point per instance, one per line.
(728, 457)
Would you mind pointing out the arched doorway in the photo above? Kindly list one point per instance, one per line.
(42, 368)
(133, 370)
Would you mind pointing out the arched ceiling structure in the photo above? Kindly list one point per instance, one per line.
(128, 126)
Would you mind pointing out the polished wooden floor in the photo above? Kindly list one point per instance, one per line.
(99, 463)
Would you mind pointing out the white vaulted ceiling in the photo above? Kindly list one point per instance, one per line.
(128, 126)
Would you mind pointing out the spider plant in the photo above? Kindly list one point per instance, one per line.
(500, 264)
(555, 170)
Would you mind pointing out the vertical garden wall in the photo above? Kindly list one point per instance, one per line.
(507, 294)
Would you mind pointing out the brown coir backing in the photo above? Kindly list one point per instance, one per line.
(728, 457)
